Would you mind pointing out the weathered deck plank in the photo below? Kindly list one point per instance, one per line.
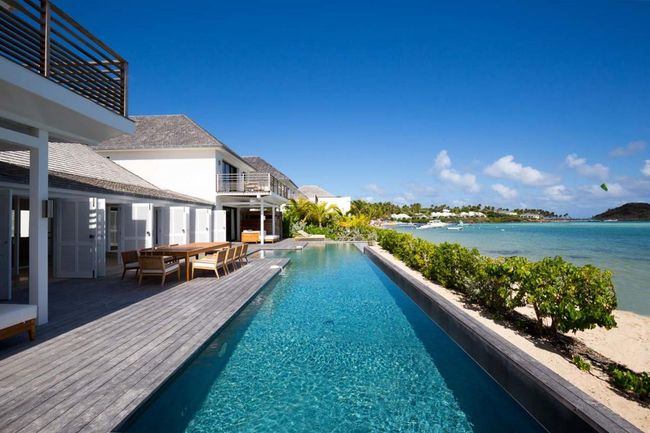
(92, 377)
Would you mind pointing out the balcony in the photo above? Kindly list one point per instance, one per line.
(42, 38)
(251, 184)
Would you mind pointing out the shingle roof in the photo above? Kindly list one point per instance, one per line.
(162, 132)
(77, 167)
(263, 166)
(314, 190)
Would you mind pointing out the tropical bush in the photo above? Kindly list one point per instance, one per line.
(573, 298)
(499, 283)
(581, 363)
(629, 381)
(566, 296)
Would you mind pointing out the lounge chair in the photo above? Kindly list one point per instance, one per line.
(212, 262)
(304, 236)
(155, 266)
(253, 237)
(250, 236)
(130, 262)
(16, 319)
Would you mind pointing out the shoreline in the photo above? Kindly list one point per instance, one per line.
(624, 346)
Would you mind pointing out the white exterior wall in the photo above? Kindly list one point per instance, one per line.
(343, 203)
(188, 171)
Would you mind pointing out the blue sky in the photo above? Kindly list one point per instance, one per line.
(503, 103)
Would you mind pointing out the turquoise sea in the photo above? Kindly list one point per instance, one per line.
(621, 247)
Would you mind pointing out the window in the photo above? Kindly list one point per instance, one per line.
(227, 168)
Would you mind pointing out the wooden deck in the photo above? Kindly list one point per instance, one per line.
(93, 376)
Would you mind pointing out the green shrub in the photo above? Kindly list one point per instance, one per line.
(315, 230)
(499, 287)
(629, 381)
(455, 267)
(573, 298)
(580, 362)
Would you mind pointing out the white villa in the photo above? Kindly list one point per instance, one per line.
(174, 153)
(80, 181)
(43, 100)
(316, 194)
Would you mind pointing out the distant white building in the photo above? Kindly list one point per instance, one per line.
(472, 214)
(446, 213)
(531, 216)
(316, 194)
(400, 216)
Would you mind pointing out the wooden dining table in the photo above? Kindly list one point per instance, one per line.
(188, 250)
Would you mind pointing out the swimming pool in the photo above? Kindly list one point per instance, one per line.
(332, 345)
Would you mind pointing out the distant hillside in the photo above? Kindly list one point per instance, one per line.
(627, 212)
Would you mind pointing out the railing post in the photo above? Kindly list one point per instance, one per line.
(45, 37)
(124, 69)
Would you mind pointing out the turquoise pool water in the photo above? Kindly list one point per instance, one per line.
(332, 346)
(622, 247)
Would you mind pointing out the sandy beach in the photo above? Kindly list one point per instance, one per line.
(628, 344)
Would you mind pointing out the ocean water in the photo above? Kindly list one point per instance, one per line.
(621, 247)
(332, 346)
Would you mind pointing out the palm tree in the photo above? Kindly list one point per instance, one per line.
(320, 212)
(298, 210)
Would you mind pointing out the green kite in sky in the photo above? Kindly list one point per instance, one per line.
(603, 186)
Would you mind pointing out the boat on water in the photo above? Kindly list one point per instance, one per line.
(457, 227)
(433, 224)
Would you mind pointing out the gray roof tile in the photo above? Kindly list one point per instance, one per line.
(262, 166)
(162, 132)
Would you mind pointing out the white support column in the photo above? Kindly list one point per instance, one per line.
(38, 272)
(273, 220)
(262, 221)
(16, 240)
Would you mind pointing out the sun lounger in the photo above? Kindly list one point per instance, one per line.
(253, 237)
(304, 236)
(16, 319)
(155, 266)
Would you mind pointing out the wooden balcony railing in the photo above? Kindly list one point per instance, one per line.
(252, 183)
(44, 39)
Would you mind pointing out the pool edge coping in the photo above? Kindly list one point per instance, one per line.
(500, 359)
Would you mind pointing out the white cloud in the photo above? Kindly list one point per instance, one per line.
(581, 166)
(504, 191)
(613, 190)
(373, 188)
(646, 168)
(442, 161)
(442, 167)
(631, 148)
(557, 193)
(508, 168)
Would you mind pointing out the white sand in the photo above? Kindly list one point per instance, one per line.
(628, 344)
